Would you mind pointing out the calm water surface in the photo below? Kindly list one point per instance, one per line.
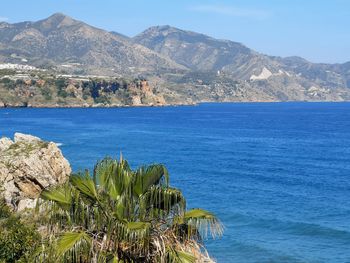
(278, 175)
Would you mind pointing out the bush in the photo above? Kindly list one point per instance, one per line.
(46, 93)
(17, 240)
(62, 93)
(60, 83)
(61, 87)
(4, 209)
(103, 100)
(8, 83)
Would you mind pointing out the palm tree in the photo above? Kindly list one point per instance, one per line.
(121, 215)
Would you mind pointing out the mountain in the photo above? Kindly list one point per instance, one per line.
(291, 78)
(203, 53)
(195, 51)
(62, 41)
(183, 66)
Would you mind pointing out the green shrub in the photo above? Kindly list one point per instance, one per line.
(62, 93)
(17, 240)
(60, 83)
(46, 93)
(103, 100)
(8, 83)
(4, 209)
(61, 87)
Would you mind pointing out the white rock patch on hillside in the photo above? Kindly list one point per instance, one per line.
(265, 74)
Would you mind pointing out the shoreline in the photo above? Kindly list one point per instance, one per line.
(98, 106)
(93, 106)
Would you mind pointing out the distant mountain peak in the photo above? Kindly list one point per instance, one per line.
(164, 28)
(191, 49)
(58, 20)
(61, 40)
(161, 29)
(58, 15)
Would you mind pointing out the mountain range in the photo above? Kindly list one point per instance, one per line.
(184, 65)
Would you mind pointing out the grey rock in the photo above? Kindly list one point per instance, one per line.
(27, 167)
(20, 137)
(5, 143)
(26, 204)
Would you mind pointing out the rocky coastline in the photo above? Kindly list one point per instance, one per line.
(98, 105)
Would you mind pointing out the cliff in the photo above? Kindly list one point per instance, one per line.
(43, 89)
(27, 166)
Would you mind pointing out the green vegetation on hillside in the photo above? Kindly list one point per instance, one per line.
(43, 89)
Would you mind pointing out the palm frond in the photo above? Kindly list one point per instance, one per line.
(177, 256)
(164, 199)
(186, 257)
(113, 177)
(138, 225)
(148, 176)
(61, 195)
(85, 185)
(138, 231)
(73, 240)
(203, 221)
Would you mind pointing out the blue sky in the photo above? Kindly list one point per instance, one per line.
(318, 30)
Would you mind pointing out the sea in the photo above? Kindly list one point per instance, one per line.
(276, 174)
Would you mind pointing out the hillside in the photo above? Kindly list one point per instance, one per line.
(181, 66)
(35, 88)
(74, 46)
(282, 78)
(203, 53)
(195, 51)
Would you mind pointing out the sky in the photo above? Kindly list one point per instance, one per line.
(318, 30)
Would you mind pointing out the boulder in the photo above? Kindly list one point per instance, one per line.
(20, 137)
(5, 143)
(27, 166)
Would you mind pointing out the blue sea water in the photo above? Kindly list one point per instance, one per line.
(277, 174)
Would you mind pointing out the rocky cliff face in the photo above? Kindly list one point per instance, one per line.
(27, 166)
